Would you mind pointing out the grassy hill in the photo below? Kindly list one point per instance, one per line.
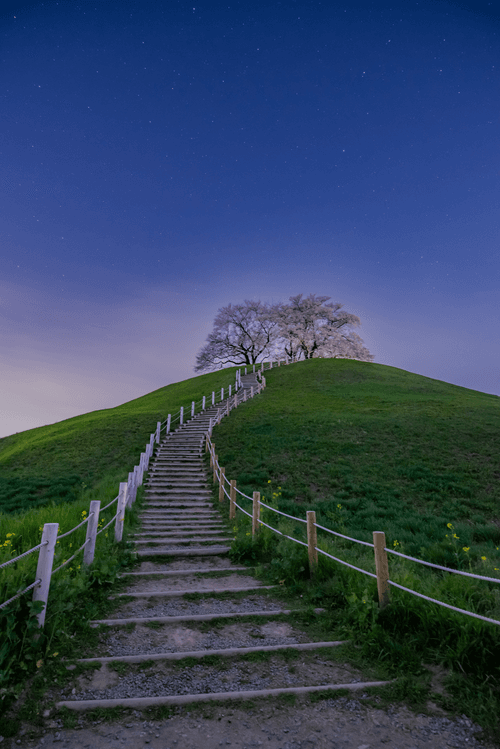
(399, 452)
(96, 450)
(375, 448)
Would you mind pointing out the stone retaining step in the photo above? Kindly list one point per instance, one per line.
(175, 534)
(227, 652)
(180, 540)
(199, 552)
(185, 699)
(194, 571)
(196, 617)
(178, 593)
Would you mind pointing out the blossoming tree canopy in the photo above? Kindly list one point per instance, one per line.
(302, 328)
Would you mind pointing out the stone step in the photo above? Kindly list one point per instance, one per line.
(193, 552)
(177, 533)
(225, 652)
(196, 617)
(185, 699)
(202, 591)
(182, 573)
(183, 540)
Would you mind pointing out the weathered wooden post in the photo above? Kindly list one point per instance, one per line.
(230, 391)
(232, 500)
(204, 403)
(120, 511)
(312, 541)
(255, 512)
(382, 568)
(251, 391)
(215, 468)
(182, 415)
(222, 478)
(90, 538)
(169, 419)
(44, 568)
(192, 409)
(158, 430)
(244, 394)
(227, 407)
(213, 397)
(131, 491)
(222, 394)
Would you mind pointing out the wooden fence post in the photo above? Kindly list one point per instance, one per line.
(382, 568)
(229, 392)
(204, 403)
(312, 541)
(227, 407)
(120, 511)
(182, 415)
(244, 394)
(213, 397)
(131, 489)
(90, 538)
(232, 500)
(255, 512)
(215, 468)
(44, 568)
(221, 484)
(192, 409)
(251, 392)
(169, 419)
(158, 430)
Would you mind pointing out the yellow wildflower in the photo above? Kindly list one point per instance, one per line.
(466, 548)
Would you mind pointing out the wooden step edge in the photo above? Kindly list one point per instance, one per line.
(228, 652)
(180, 593)
(196, 617)
(195, 571)
(184, 699)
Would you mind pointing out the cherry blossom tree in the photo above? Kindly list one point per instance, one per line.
(302, 328)
(242, 334)
(310, 327)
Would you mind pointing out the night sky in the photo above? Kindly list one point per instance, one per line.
(163, 159)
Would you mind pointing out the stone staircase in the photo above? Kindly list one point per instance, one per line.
(186, 600)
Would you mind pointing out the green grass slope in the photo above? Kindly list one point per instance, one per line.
(55, 463)
(374, 448)
(399, 452)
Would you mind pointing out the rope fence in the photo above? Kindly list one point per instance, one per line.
(124, 500)
(381, 574)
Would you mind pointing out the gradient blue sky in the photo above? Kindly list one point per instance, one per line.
(163, 159)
